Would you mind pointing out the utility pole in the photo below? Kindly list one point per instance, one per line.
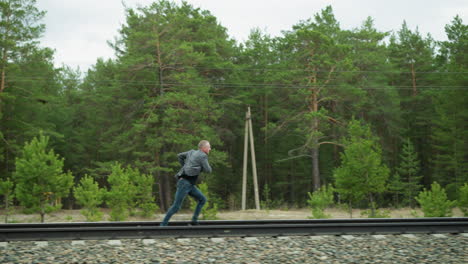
(249, 134)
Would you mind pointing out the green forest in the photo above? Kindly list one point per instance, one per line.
(377, 116)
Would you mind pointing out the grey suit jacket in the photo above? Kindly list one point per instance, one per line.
(193, 162)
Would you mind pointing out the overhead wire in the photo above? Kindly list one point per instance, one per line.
(167, 85)
(221, 84)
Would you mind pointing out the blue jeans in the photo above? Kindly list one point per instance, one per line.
(184, 187)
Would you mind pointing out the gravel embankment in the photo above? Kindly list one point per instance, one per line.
(307, 249)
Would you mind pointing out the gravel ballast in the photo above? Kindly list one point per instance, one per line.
(418, 248)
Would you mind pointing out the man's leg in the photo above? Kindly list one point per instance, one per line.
(201, 200)
(183, 188)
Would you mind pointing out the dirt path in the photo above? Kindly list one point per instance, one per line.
(76, 216)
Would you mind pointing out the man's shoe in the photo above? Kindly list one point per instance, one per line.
(194, 224)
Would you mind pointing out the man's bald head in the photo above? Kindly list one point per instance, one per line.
(204, 146)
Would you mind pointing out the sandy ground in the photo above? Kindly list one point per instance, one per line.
(76, 216)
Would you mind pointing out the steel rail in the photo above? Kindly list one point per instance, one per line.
(238, 222)
(123, 230)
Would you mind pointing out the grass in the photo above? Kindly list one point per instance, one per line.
(304, 213)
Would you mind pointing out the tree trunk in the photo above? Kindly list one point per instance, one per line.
(397, 200)
(291, 188)
(2, 82)
(266, 158)
(371, 198)
(4, 56)
(162, 192)
(163, 187)
(42, 213)
(413, 78)
(410, 191)
(315, 143)
(2, 86)
(164, 183)
(7, 208)
(315, 169)
(167, 193)
(161, 84)
(336, 155)
(160, 64)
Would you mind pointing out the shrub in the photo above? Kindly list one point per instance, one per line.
(39, 177)
(415, 214)
(210, 210)
(6, 189)
(378, 213)
(267, 202)
(119, 197)
(434, 203)
(463, 199)
(90, 196)
(143, 198)
(129, 190)
(319, 200)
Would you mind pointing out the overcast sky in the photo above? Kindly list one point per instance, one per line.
(78, 30)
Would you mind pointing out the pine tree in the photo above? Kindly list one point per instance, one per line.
(320, 200)
(314, 53)
(361, 173)
(412, 57)
(450, 121)
(463, 199)
(90, 196)
(169, 109)
(129, 190)
(396, 187)
(434, 202)
(409, 172)
(27, 85)
(39, 177)
(6, 189)
(256, 57)
(373, 98)
(121, 193)
(143, 197)
(20, 29)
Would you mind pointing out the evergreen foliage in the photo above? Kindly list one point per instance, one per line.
(178, 77)
(90, 196)
(395, 187)
(120, 196)
(210, 210)
(6, 189)
(408, 170)
(378, 213)
(320, 200)
(39, 177)
(463, 199)
(266, 202)
(434, 202)
(450, 129)
(129, 190)
(143, 198)
(361, 174)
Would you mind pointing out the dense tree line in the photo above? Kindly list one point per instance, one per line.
(330, 105)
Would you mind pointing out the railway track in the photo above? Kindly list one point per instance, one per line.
(181, 229)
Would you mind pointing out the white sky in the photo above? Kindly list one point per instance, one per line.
(78, 30)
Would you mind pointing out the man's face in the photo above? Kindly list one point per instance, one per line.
(206, 148)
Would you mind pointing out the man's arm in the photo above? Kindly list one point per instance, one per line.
(182, 156)
(205, 165)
